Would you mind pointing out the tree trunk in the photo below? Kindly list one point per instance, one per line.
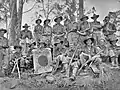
(19, 21)
(81, 6)
(13, 21)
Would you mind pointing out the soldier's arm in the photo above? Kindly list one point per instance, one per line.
(42, 29)
(114, 27)
(94, 25)
(63, 29)
(53, 30)
(35, 30)
(6, 42)
(79, 28)
(31, 36)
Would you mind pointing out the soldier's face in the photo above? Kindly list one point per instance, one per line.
(107, 19)
(18, 49)
(89, 42)
(102, 42)
(112, 20)
(26, 28)
(38, 22)
(75, 25)
(58, 20)
(85, 19)
(47, 22)
(114, 42)
(95, 19)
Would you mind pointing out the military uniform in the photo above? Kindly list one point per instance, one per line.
(65, 61)
(26, 37)
(47, 33)
(68, 25)
(17, 55)
(58, 29)
(109, 28)
(113, 53)
(58, 32)
(26, 34)
(96, 30)
(84, 30)
(73, 38)
(87, 53)
(90, 53)
(104, 55)
(38, 31)
(3, 53)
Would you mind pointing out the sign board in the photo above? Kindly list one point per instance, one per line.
(42, 61)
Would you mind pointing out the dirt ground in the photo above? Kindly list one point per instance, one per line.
(109, 80)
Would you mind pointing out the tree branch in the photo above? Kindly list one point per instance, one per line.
(48, 8)
(50, 12)
(44, 9)
(4, 6)
(30, 8)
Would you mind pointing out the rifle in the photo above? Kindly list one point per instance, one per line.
(90, 59)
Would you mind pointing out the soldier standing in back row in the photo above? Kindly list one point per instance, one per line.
(47, 31)
(58, 29)
(96, 28)
(38, 30)
(84, 28)
(26, 33)
(26, 37)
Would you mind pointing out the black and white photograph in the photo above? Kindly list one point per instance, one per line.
(59, 44)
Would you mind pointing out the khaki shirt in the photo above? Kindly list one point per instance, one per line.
(47, 30)
(16, 55)
(58, 29)
(113, 51)
(38, 29)
(96, 26)
(26, 34)
(84, 26)
(91, 50)
(73, 37)
(109, 28)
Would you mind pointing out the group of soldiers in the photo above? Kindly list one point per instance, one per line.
(75, 45)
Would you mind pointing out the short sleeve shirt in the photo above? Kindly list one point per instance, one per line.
(47, 30)
(58, 29)
(26, 34)
(38, 29)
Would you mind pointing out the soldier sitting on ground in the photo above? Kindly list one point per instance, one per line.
(63, 60)
(29, 65)
(113, 52)
(16, 56)
(75, 66)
